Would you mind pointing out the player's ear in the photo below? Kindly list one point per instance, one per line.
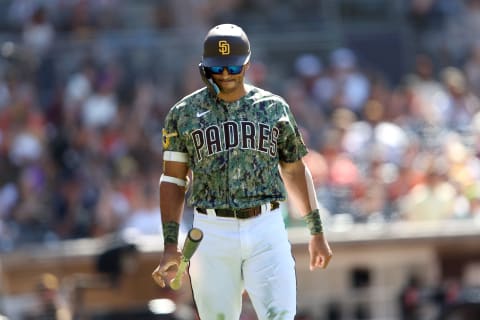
(246, 66)
(207, 79)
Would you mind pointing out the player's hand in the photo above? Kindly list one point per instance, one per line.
(165, 271)
(320, 252)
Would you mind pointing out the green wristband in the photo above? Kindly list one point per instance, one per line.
(170, 232)
(314, 222)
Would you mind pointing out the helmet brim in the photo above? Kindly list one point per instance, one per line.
(225, 61)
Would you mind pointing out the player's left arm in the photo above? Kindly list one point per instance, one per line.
(301, 192)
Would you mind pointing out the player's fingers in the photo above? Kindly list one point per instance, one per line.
(326, 260)
(315, 262)
(158, 276)
(320, 262)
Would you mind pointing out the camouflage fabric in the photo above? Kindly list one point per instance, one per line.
(234, 148)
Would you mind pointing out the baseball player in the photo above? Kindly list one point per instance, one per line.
(244, 150)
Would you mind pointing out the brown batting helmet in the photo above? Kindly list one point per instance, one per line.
(226, 45)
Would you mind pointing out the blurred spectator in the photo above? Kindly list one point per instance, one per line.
(428, 101)
(78, 88)
(308, 68)
(462, 30)
(374, 133)
(309, 117)
(462, 104)
(257, 74)
(31, 215)
(316, 163)
(72, 206)
(112, 209)
(343, 175)
(352, 87)
(406, 176)
(145, 215)
(471, 68)
(411, 299)
(38, 36)
(463, 166)
(80, 22)
(372, 200)
(100, 108)
(426, 18)
(4, 93)
(51, 304)
(426, 105)
(38, 33)
(431, 200)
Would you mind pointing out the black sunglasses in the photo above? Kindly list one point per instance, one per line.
(230, 69)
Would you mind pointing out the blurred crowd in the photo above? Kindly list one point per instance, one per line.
(80, 136)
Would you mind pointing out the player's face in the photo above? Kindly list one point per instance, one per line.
(230, 84)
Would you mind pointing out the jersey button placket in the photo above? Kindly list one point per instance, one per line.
(229, 174)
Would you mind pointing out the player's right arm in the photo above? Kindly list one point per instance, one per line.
(173, 184)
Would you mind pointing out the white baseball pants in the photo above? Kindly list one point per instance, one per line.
(243, 254)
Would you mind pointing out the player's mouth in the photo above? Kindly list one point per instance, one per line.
(226, 81)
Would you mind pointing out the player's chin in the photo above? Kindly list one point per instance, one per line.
(227, 86)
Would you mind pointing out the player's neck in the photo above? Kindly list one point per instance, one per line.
(232, 96)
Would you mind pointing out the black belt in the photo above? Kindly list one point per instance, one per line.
(244, 213)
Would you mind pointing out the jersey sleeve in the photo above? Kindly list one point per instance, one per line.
(173, 142)
(291, 146)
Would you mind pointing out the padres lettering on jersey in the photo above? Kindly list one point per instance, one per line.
(230, 134)
(234, 148)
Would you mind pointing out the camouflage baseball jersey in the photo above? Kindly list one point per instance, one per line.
(234, 148)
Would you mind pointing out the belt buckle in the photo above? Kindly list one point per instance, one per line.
(235, 211)
(241, 213)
